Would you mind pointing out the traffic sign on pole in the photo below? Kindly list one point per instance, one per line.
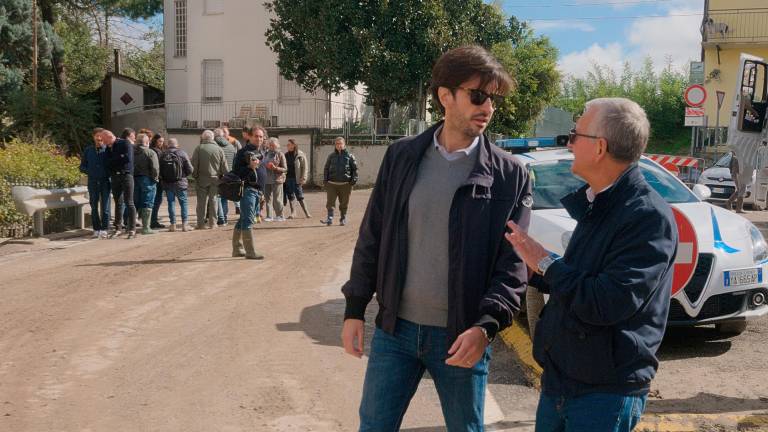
(695, 95)
(720, 98)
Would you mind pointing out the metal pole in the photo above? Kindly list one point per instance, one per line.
(693, 139)
(34, 70)
(717, 132)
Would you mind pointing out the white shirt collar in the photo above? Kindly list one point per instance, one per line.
(591, 195)
(458, 154)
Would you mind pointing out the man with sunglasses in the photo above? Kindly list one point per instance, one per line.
(432, 249)
(609, 294)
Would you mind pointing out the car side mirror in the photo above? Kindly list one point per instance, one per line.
(702, 192)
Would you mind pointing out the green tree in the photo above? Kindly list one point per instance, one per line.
(532, 62)
(86, 60)
(389, 46)
(660, 95)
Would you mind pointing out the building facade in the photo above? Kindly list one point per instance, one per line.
(729, 28)
(219, 70)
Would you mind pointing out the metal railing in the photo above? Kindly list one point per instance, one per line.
(736, 25)
(303, 113)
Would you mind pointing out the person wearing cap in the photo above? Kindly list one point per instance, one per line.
(242, 235)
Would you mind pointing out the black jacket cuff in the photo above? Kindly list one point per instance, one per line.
(490, 324)
(355, 308)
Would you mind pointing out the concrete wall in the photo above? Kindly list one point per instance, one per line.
(369, 157)
(153, 119)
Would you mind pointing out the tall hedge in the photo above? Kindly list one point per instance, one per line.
(40, 163)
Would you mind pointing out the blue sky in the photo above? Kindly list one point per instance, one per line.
(626, 30)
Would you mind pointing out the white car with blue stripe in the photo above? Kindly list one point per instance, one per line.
(726, 281)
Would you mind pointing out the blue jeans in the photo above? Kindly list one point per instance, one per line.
(174, 193)
(395, 367)
(98, 196)
(249, 205)
(221, 217)
(594, 412)
(158, 202)
(147, 189)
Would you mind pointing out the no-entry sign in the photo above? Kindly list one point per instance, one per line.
(695, 95)
(687, 252)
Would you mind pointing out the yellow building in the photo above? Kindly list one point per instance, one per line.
(729, 28)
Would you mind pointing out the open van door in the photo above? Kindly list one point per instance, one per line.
(746, 132)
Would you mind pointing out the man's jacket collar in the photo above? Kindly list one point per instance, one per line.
(481, 175)
(577, 205)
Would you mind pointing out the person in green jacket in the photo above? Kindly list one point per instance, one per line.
(209, 164)
(146, 172)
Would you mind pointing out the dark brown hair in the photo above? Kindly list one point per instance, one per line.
(462, 64)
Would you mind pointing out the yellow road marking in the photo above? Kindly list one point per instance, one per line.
(518, 340)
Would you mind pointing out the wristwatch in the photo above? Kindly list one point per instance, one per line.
(485, 333)
(545, 262)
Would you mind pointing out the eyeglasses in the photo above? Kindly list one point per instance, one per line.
(478, 97)
(573, 134)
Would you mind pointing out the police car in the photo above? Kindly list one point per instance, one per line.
(721, 268)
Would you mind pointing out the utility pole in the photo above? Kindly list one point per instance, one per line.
(34, 71)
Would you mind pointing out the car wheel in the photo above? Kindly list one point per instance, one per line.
(534, 303)
(731, 328)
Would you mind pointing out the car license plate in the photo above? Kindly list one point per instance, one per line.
(718, 190)
(743, 277)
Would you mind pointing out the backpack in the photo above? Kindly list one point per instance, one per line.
(171, 169)
(231, 187)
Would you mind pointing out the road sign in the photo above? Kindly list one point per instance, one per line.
(687, 252)
(697, 73)
(720, 98)
(694, 112)
(695, 95)
(700, 121)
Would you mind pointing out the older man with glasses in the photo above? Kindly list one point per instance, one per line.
(609, 294)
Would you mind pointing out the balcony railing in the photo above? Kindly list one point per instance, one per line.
(736, 26)
(304, 113)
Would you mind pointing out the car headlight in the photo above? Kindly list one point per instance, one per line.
(759, 246)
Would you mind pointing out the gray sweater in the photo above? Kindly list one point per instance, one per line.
(425, 294)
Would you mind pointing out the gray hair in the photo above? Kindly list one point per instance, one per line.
(624, 125)
(207, 135)
(141, 137)
(218, 132)
(173, 142)
(274, 141)
(337, 139)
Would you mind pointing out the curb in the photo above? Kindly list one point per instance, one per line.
(516, 338)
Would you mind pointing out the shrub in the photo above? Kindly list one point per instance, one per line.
(42, 164)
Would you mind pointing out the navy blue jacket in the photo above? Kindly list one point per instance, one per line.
(609, 294)
(487, 278)
(94, 163)
(121, 157)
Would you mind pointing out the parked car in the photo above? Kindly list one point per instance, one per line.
(718, 179)
(721, 265)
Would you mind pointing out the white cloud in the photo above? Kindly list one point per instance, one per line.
(671, 37)
(580, 62)
(553, 26)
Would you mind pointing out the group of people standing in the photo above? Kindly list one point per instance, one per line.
(137, 168)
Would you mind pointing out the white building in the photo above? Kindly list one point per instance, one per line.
(220, 71)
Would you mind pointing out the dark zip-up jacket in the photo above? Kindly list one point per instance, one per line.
(241, 165)
(609, 294)
(487, 278)
(121, 157)
(341, 167)
(94, 163)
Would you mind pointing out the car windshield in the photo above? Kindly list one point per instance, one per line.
(724, 161)
(554, 180)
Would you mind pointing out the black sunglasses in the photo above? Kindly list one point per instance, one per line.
(573, 134)
(478, 97)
